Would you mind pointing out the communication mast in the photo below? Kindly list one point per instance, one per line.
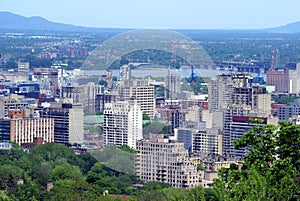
(277, 58)
(273, 59)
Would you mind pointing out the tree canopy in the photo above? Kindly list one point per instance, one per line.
(270, 171)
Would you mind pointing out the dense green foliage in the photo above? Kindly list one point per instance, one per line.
(156, 127)
(271, 170)
(146, 117)
(284, 99)
(77, 177)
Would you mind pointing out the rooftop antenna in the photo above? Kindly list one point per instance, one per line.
(273, 59)
(277, 58)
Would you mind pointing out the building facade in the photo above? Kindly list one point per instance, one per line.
(23, 68)
(172, 86)
(12, 102)
(219, 92)
(279, 79)
(26, 129)
(158, 159)
(199, 139)
(294, 76)
(235, 126)
(122, 123)
(68, 122)
(141, 91)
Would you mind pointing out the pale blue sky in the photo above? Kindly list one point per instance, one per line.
(179, 14)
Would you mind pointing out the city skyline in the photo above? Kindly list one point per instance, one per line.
(231, 14)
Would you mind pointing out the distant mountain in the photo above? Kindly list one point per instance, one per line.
(13, 21)
(289, 28)
(17, 22)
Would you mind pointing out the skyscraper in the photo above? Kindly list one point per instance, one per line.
(68, 121)
(219, 92)
(122, 123)
(23, 68)
(125, 73)
(237, 122)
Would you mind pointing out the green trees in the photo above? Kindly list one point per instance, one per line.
(66, 171)
(146, 117)
(121, 160)
(270, 171)
(156, 126)
(162, 191)
(9, 176)
(74, 177)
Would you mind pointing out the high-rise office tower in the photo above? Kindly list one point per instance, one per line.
(219, 92)
(125, 72)
(68, 121)
(237, 122)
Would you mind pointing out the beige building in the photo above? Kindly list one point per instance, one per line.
(162, 160)
(14, 102)
(219, 92)
(262, 104)
(141, 91)
(23, 68)
(192, 113)
(24, 130)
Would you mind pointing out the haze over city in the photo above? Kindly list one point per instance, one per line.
(191, 14)
(149, 100)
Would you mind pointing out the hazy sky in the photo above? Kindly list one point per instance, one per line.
(197, 14)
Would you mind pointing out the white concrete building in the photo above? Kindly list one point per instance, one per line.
(123, 123)
(294, 76)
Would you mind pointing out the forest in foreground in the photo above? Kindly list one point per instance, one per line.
(271, 171)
